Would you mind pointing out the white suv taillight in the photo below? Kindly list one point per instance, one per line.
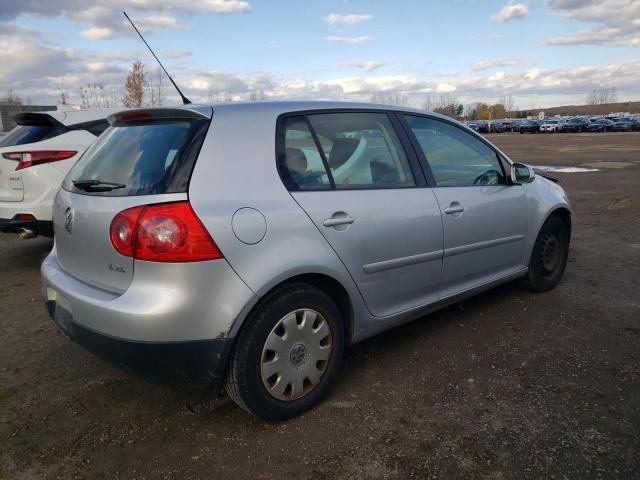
(165, 232)
(28, 159)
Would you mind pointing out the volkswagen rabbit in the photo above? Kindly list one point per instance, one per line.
(251, 243)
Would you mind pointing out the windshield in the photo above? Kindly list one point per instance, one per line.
(141, 159)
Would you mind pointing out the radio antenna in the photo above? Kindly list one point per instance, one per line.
(185, 100)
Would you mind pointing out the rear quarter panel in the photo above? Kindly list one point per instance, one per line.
(236, 169)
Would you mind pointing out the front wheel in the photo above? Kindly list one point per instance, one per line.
(549, 256)
(287, 355)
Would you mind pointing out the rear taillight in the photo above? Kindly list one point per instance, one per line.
(166, 232)
(28, 159)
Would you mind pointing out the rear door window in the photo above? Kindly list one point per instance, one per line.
(147, 158)
(345, 151)
(363, 150)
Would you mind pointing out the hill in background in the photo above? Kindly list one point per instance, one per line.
(604, 109)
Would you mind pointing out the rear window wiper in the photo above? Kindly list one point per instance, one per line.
(97, 185)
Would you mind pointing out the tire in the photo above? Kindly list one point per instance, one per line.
(546, 265)
(244, 379)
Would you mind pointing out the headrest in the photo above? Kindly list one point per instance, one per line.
(296, 160)
(342, 150)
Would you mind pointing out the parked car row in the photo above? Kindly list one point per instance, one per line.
(557, 125)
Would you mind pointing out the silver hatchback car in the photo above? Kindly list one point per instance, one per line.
(251, 243)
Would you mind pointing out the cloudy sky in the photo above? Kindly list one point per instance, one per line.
(542, 52)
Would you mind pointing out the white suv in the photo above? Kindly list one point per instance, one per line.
(35, 157)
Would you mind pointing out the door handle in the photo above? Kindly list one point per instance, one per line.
(455, 207)
(336, 221)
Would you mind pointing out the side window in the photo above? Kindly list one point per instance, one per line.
(362, 150)
(456, 158)
(301, 166)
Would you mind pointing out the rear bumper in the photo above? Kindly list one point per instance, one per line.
(172, 323)
(12, 225)
(164, 303)
(196, 363)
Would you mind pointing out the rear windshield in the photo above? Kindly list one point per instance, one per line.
(23, 134)
(147, 158)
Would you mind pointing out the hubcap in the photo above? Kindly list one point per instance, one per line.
(296, 354)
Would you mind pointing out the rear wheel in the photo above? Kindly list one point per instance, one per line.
(287, 355)
(549, 256)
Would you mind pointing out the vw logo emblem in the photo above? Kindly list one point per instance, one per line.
(297, 353)
(68, 219)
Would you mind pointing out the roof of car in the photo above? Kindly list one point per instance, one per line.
(286, 106)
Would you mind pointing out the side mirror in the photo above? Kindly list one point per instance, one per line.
(521, 173)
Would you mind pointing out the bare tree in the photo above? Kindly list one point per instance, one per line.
(160, 94)
(154, 85)
(94, 95)
(135, 86)
(602, 95)
(428, 104)
(397, 99)
(228, 97)
(12, 98)
(63, 95)
(448, 105)
(212, 96)
(469, 111)
(508, 103)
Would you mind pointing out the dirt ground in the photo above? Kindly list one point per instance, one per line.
(507, 385)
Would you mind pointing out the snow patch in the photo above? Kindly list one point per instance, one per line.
(544, 168)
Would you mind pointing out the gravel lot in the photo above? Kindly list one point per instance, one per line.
(507, 385)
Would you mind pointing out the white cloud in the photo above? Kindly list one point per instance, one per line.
(350, 40)
(367, 66)
(511, 11)
(33, 68)
(351, 19)
(497, 63)
(106, 21)
(97, 33)
(445, 88)
(617, 22)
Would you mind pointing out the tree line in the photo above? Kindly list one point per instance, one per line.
(143, 88)
(448, 104)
